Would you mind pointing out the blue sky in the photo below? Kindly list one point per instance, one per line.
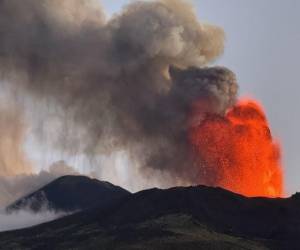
(262, 48)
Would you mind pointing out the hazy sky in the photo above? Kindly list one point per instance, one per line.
(262, 48)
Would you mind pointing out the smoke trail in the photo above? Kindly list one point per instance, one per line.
(125, 83)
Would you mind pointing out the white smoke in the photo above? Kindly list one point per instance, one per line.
(26, 218)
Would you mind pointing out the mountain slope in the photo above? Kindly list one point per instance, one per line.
(70, 193)
(177, 218)
(174, 232)
(218, 208)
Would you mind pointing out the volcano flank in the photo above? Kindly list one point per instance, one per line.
(196, 217)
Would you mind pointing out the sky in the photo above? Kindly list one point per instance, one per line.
(262, 48)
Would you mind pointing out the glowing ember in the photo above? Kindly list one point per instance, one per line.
(237, 152)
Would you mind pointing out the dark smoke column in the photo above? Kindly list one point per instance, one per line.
(127, 83)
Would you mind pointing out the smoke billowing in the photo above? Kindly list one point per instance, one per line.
(126, 83)
(135, 83)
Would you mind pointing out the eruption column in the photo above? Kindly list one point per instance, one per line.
(237, 151)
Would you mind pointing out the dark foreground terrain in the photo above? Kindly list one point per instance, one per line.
(177, 218)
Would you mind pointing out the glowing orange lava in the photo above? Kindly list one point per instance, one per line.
(237, 151)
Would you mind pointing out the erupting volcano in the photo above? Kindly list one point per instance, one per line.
(94, 90)
(238, 152)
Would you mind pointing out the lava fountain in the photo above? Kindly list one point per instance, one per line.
(237, 151)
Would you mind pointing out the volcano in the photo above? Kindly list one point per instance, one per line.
(196, 217)
(135, 98)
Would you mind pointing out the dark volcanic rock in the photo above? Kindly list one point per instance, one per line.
(276, 219)
(183, 217)
(70, 193)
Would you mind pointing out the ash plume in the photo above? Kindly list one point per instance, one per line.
(13, 160)
(126, 83)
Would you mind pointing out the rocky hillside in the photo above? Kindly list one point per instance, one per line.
(178, 218)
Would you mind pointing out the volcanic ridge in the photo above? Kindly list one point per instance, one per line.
(196, 217)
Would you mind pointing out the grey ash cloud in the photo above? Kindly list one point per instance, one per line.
(123, 83)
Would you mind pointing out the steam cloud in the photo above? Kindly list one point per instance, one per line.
(25, 218)
(126, 83)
